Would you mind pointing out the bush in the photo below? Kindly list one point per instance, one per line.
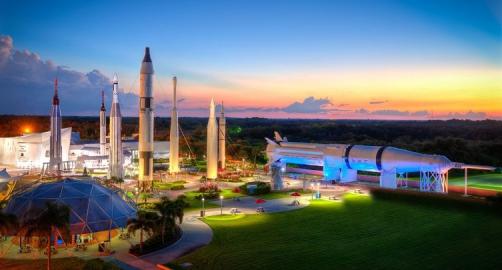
(155, 242)
(98, 264)
(261, 188)
(177, 187)
(146, 206)
(208, 195)
(209, 187)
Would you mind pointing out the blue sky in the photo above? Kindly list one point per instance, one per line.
(210, 43)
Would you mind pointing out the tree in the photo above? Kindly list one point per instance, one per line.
(46, 222)
(169, 212)
(8, 223)
(145, 222)
(166, 210)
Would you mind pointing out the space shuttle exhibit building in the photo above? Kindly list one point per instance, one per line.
(341, 162)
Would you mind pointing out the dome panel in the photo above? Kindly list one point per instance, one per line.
(69, 191)
(93, 207)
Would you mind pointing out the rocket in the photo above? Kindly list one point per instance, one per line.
(221, 139)
(55, 153)
(145, 147)
(102, 126)
(174, 135)
(212, 144)
(116, 154)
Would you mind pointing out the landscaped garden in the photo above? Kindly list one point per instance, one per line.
(359, 232)
(176, 185)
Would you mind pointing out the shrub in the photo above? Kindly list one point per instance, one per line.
(261, 188)
(236, 190)
(177, 187)
(98, 264)
(155, 242)
(209, 187)
(208, 195)
(146, 206)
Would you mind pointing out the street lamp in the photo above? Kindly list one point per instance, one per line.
(318, 190)
(221, 204)
(136, 193)
(312, 189)
(203, 209)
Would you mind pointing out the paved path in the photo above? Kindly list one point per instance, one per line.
(196, 233)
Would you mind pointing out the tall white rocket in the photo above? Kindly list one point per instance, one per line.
(174, 140)
(55, 151)
(116, 155)
(212, 144)
(102, 126)
(221, 139)
(145, 147)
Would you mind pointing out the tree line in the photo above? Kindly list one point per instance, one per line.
(474, 142)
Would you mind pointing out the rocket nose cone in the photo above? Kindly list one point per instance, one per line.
(115, 78)
(147, 58)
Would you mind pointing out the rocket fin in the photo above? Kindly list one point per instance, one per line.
(277, 137)
(269, 141)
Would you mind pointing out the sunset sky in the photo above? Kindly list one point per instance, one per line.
(282, 59)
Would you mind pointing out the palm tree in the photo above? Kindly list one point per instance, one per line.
(169, 211)
(179, 207)
(8, 223)
(146, 221)
(166, 210)
(48, 221)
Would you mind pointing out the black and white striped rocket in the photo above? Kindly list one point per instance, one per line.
(145, 145)
(116, 155)
(102, 126)
(55, 151)
(221, 139)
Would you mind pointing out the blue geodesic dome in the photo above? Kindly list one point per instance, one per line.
(93, 207)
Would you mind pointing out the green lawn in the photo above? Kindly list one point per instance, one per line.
(491, 181)
(169, 185)
(196, 204)
(279, 195)
(360, 233)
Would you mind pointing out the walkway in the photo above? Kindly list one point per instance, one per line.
(196, 233)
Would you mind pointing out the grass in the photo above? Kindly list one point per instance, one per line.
(225, 217)
(196, 204)
(359, 233)
(491, 181)
(279, 194)
(169, 185)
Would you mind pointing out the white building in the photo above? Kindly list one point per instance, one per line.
(31, 150)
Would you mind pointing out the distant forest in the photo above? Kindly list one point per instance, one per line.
(473, 142)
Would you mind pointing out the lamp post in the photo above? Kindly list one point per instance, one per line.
(312, 189)
(465, 182)
(318, 190)
(136, 193)
(221, 204)
(203, 209)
